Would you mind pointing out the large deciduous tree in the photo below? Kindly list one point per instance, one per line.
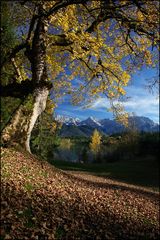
(82, 47)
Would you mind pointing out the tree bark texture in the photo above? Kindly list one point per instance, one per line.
(39, 106)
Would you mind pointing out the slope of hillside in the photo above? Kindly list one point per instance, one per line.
(42, 202)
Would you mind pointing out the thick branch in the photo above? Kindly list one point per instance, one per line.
(63, 4)
(20, 90)
(17, 90)
(32, 24)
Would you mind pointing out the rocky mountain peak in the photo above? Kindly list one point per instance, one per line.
(75, 127)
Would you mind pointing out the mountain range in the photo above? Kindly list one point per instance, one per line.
(73, 127)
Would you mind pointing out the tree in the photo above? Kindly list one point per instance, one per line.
(95, 142)
(100, 42)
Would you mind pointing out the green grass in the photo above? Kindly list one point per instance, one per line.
(29, 187)
(143, 172)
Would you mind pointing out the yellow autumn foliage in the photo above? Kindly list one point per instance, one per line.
(103, 58)
(95, 142)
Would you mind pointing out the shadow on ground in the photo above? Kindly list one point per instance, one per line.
(144, 173)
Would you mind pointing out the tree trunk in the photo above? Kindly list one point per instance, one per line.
(20, 127)
(38, 107)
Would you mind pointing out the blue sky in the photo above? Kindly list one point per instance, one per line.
(141, 102)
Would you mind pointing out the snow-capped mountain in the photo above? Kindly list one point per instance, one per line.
(92, 122)
(75, 127)
(67, 120)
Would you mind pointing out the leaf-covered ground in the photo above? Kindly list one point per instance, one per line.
(41, 202)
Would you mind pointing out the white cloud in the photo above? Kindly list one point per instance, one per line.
(100, 103)
(141, 104)
(144, 103)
